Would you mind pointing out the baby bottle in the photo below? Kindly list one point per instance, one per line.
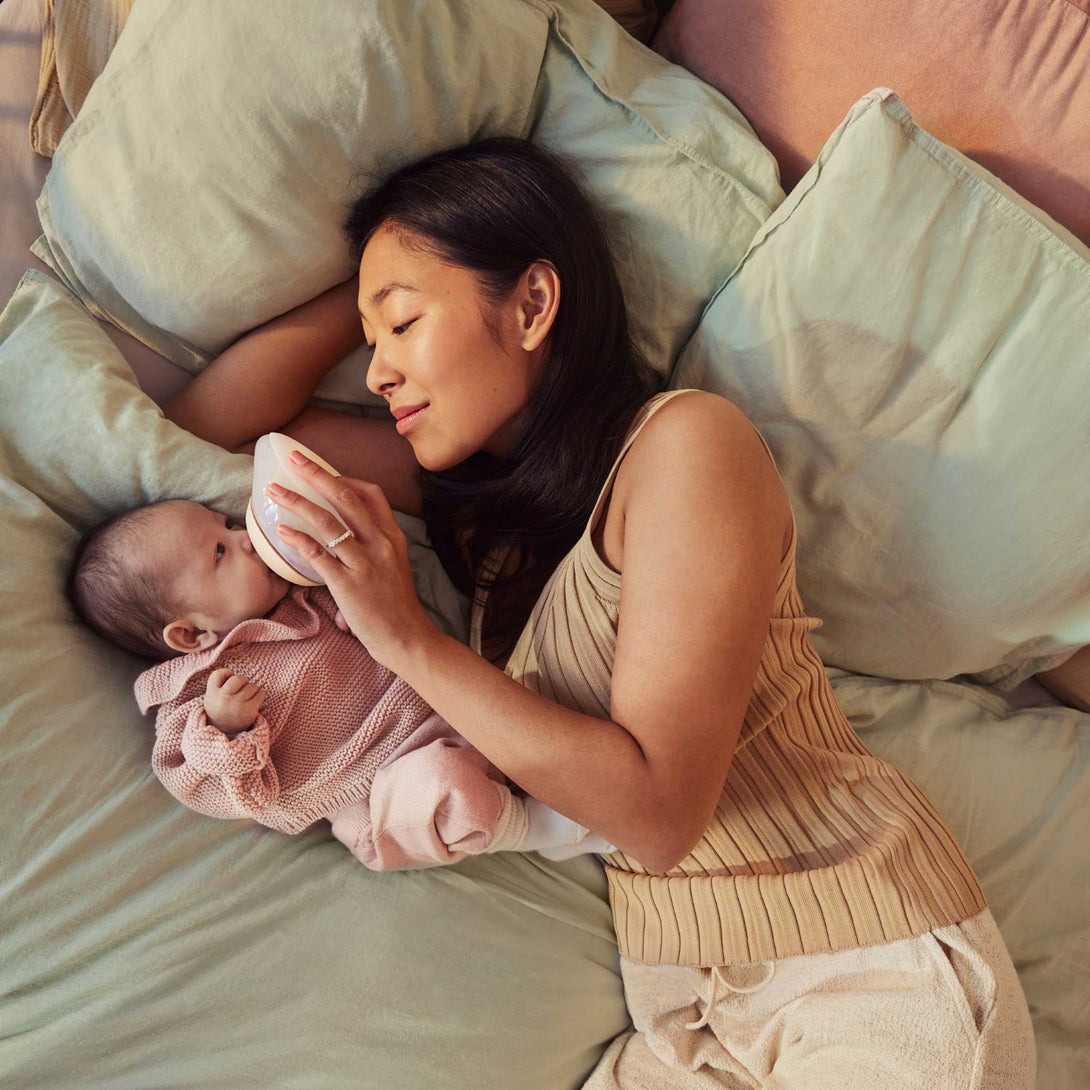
(263, 516)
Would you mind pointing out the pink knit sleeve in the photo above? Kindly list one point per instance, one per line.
(217, 775)
(434, 805)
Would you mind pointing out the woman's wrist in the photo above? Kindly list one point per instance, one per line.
(413, 659)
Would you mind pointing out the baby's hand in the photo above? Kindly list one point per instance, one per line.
(231, 702)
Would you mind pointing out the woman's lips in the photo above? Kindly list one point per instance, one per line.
(406, 422)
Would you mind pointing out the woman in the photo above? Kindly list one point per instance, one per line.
(791, 912)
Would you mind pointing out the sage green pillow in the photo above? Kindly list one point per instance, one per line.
(202, 188)
(913, 340)
(142, 944)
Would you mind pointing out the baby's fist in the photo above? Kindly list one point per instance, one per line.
(231, 702)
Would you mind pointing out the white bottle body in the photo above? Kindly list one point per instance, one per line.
(271, 463)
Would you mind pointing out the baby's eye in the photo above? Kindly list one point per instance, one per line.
(220, 550)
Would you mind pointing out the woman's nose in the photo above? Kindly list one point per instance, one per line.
(382, 377)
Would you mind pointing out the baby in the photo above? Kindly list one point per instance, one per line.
(268, 710)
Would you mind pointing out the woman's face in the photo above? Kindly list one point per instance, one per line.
(433, 348)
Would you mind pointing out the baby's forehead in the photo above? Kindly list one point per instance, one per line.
(170, 528)
(177, 515)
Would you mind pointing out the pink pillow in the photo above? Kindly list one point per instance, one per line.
(1007, 82)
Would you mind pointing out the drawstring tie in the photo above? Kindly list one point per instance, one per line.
(717, 979)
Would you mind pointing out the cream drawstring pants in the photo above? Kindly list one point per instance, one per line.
(942, 1011)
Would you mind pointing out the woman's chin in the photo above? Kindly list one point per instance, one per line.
(427, 459)
(435, 459)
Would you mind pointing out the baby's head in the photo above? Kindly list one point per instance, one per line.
(170, 578)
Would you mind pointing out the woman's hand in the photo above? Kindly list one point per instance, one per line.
(368, 574)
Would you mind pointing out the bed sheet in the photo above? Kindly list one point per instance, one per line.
(145, 945)
(1008, 771)
(132, 928)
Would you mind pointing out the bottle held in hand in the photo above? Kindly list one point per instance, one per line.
(272, 463)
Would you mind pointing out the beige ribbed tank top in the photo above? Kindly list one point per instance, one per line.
(816, 845)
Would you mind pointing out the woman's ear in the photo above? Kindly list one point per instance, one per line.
(186, 635)
(539, 299)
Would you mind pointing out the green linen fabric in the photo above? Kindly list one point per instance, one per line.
(203, 186)
(912, 339)
(1014, 786)
(144, 945)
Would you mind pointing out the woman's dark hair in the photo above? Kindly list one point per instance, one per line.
(495, 207)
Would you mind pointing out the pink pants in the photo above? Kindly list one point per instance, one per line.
(940, 1011)
(434, 801)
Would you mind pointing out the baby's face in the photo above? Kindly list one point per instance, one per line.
(211, 567)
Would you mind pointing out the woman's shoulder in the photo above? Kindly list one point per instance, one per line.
(692, 427)
(698, 441)
(692, 400)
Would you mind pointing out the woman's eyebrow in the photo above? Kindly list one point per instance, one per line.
(379, 296)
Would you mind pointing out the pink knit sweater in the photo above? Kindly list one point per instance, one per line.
(349, 716)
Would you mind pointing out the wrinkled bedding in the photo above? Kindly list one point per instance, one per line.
(144, 945)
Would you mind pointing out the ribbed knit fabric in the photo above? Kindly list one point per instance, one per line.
(816, 845)
(348, 714)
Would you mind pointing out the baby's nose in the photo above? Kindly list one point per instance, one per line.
(247, 544)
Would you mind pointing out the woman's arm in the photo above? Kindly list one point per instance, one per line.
(694, 620)
(266, 377)
(264, 380)
(1070, 681)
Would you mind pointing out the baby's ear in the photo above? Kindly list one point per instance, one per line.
(186, 635)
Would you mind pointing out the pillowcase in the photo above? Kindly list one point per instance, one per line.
(638, 17)
(202, 189)
(77, 39)
(136, 935)
(910, 336)
(79, 35)
(1006, 82)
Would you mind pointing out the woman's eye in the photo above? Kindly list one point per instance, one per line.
(399, 329)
